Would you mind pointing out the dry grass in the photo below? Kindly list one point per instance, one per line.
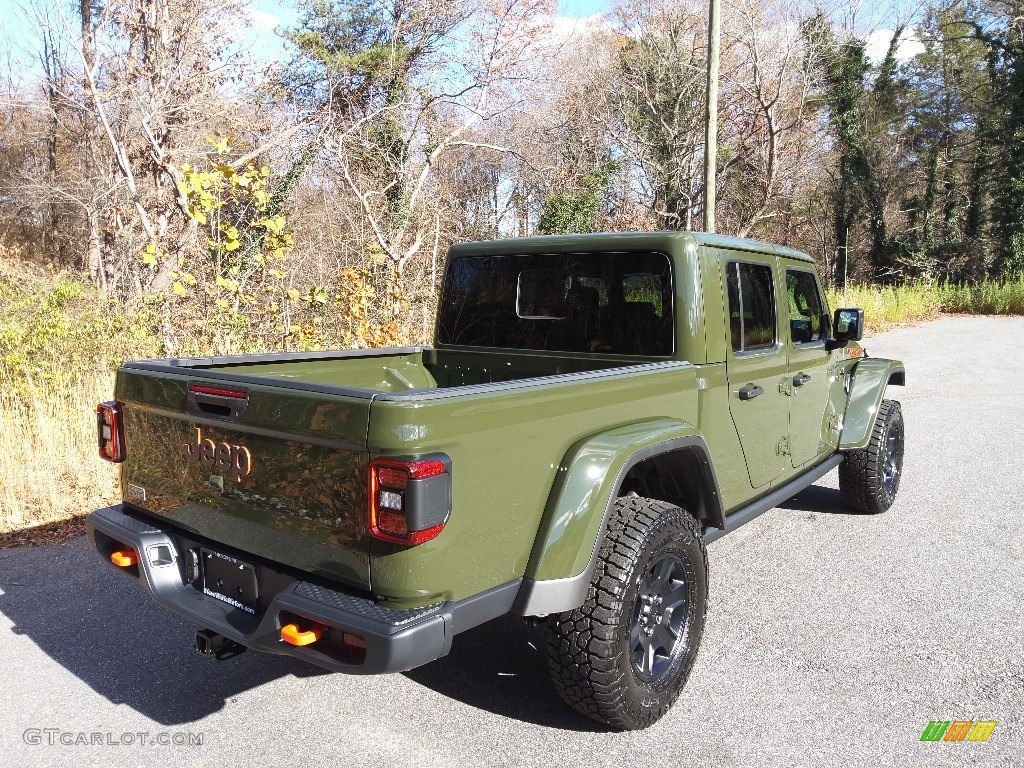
(912, 303)
(888, 307)
(990, 297)
(49, 471)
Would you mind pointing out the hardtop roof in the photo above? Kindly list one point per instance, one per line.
(612, 241)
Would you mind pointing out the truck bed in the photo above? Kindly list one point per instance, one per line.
(313, 421)
(409, 369)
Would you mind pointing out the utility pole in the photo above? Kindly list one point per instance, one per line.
(711, 115)
(846, 261)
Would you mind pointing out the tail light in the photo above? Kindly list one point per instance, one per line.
(231, 394)
(110, 431)
(410, 501)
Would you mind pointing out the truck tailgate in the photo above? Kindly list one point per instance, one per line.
(286, 478)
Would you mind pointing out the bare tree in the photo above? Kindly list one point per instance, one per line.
(774, 145)
(660, 94)
(147, 82)
(437, 85)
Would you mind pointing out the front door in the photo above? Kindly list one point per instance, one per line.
(810, 365)
(757, 367)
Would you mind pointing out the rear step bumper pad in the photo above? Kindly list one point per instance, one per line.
(396, 639)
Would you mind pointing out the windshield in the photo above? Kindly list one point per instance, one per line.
(616, 303)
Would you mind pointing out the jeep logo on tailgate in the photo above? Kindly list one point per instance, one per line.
(234, 460)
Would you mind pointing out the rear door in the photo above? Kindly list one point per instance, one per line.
(757, 365)
(805, 329)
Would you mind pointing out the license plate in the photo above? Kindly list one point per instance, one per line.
(229, 580)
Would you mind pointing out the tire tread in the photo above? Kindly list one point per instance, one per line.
(860, 484)
(581, 644)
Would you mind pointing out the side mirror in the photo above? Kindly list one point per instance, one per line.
(847, 325)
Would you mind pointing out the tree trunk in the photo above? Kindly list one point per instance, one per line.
(94, 252)
(928, 209)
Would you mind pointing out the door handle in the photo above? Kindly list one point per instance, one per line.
(749, 393)
(799, 381)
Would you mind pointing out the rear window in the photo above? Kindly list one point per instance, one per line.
(616, 303)
(751, 306)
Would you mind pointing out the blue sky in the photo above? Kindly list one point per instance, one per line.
(578, 9)
(266, 14)
(261, 42)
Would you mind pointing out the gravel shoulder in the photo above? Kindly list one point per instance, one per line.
(832, 638)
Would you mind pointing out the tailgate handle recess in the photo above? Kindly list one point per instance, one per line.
(219, 402)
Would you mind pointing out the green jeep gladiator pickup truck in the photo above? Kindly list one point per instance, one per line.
(595, 410)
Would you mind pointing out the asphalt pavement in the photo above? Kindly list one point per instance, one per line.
(832, 638)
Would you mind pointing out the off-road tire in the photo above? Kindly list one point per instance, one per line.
(596, 653)
(870, 477)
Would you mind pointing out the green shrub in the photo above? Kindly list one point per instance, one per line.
(916, 302)
(887, 305)
(54, 334)
(990, 297)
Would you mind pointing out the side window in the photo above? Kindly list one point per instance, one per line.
(805, 307)
(751, 306)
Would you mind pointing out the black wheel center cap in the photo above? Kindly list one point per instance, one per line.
(649, 614)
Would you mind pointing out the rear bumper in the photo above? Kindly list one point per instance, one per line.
(396, 639)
